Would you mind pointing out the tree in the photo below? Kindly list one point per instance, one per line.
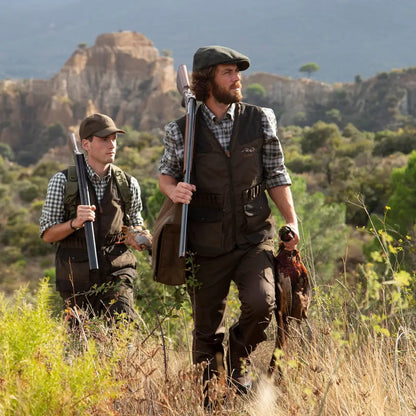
(167, 53)
(6, 151)
(322, 140)
(255, 93)
(309, 68)
(402, 202)
(322, 228)
(321, 137)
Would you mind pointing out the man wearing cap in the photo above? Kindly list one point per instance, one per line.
(237, 156)
(63, 218)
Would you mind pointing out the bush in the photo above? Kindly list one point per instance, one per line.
(28, 191)
(39, 374)
(255, 94)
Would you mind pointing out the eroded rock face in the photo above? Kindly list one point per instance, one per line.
(385, 101)
(122, 75)
(292, 97)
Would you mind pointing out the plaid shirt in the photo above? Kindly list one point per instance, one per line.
(53, 209)
(273, 160)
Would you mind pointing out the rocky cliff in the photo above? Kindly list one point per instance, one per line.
(385, 101)
(124, 76)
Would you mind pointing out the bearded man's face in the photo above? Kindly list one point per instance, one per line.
(226, 86)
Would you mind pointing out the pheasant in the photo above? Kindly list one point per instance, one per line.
(293, 292)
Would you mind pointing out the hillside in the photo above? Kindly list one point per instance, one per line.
(124, 75)
(344, 37)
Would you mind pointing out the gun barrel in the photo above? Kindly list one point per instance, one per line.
(182, 79)
(184, 86)
(73, 140)
(85, 200)
(190, 105)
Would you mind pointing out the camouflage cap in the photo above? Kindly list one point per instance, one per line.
(213, 55)
(98, 125)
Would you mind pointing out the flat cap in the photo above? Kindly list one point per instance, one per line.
(213, 55)
(98, 125)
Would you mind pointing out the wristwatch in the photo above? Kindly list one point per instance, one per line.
(74, 228)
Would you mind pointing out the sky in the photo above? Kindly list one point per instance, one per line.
(344, 37)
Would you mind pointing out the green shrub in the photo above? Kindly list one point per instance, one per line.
(28, 191)
(39, 374)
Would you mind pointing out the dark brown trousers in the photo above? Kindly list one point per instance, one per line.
(253, 273)
(108, 303)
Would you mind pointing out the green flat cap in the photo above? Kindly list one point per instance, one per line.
(213, 55)
(98, 125)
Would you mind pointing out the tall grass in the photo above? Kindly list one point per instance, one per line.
(359, 358)
(50, 369)
(41, 372)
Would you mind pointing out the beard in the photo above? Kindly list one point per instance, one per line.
(227, 96)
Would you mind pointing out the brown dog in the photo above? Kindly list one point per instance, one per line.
(293, 294)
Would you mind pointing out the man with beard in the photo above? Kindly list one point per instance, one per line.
(237, 157)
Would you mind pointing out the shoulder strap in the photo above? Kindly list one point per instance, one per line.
(71, 191)
(181, 122)
(123, 186)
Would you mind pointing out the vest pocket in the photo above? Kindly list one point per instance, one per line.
(206, 238)
(256, 211)
(205, 230)
(205, 214)
(120, 256)
(206, 207)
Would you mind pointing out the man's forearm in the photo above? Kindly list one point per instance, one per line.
(282, 197)
(178, 192)
(167, 185)
(59, 231)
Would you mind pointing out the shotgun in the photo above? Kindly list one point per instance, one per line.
(189, 102)
(85, 200)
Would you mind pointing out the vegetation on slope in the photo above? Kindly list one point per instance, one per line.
(355, 206)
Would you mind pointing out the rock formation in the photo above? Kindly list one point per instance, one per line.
(124, 76)
(385, 101)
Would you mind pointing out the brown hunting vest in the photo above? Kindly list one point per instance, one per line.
(229, 208)
(113, 259)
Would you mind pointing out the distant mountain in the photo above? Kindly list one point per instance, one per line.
(344, 37)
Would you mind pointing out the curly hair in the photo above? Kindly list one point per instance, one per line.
(202, 82)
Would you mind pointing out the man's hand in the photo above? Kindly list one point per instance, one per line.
(182, 193)
(289, 235)
(136, 237)
(84, 213)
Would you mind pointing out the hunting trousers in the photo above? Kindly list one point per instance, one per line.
(116, 299)
(252, 271)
